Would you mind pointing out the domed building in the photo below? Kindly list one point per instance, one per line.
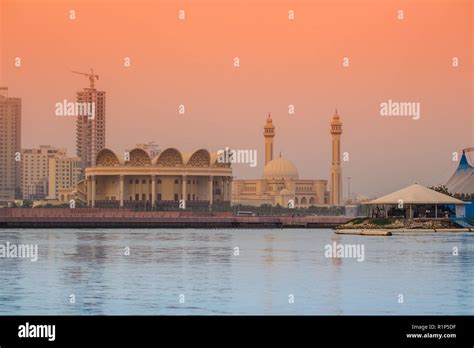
(280, 183)
(280, 169)
(171, 179)
(201, 179)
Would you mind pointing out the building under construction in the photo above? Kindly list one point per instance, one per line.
(90, 132)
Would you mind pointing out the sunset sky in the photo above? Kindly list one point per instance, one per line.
(282, 62)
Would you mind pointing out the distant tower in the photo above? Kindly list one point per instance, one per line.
(269, 134)
(10, 146)
(90, 132)
(335, 193)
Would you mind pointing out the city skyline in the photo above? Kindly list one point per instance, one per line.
(279, 66)
(311, 161)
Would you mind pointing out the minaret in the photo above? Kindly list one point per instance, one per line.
(269, 134)
(335, 192)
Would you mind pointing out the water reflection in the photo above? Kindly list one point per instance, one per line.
(200, 264)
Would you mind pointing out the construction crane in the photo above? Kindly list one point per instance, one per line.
(91, 76)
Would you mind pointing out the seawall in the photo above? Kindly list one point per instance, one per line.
(122, 218)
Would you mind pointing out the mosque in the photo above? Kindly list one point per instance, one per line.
(199, 179)
(280, 183)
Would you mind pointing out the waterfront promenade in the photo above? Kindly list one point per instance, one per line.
(122, 218)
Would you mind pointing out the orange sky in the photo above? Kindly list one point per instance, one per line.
(282, 62)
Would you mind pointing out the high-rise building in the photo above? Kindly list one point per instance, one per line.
(90, 131)
(64, 173)
(269, 134)
(35, 170)
(336, 171)
(10, 146)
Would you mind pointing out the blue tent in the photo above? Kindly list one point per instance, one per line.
(462, 181)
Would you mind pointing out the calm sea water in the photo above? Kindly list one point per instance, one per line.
(199, 267)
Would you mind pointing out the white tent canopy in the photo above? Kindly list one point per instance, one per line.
(416, 194)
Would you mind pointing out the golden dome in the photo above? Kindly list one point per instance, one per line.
(280, 168)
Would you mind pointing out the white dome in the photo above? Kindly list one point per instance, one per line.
(279, 169)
